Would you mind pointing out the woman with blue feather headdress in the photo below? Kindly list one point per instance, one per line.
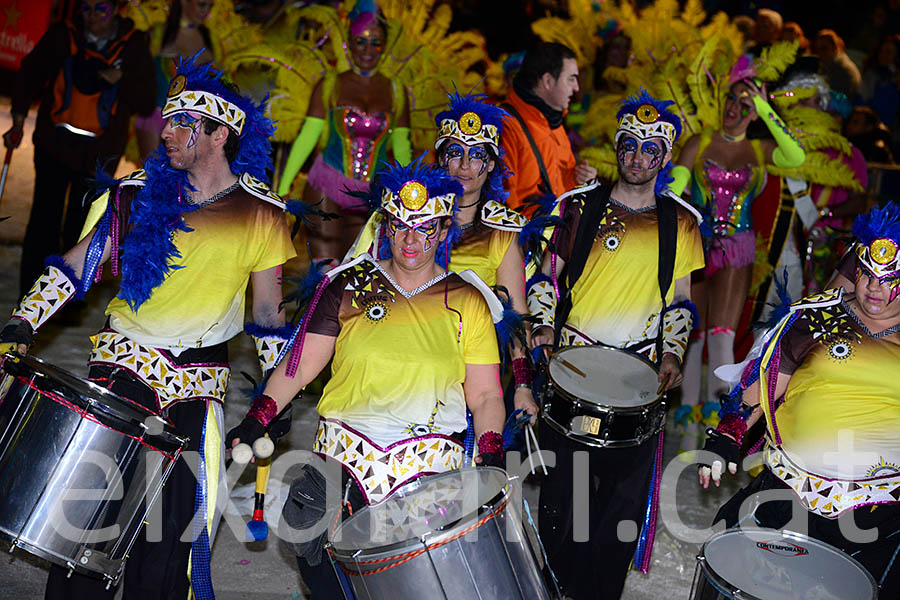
(412, 348)
(488, 236)
(823, 382)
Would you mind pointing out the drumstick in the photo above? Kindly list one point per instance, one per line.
(257, 528)
(572, 367)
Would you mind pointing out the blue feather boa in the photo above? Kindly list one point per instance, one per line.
(149, 250)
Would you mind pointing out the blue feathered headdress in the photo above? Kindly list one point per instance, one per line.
(880, 222)
(646, 116)
(457, 122)
(878, 232)
(395, 184)
(255, 153)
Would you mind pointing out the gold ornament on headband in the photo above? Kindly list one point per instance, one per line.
(470, 123)
(177, 85)
(883, 250)
(413, 195)
(647, 113)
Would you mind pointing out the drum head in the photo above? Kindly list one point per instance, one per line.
(781, 565)
(604, 375)
(423, 508)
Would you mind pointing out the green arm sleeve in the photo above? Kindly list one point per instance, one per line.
(681, 176)
(789, 152)
(401, 146)
(303, 145)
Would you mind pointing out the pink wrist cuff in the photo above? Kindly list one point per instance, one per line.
(521, 371)
(734, 426)
(490, 442)
(264, 409)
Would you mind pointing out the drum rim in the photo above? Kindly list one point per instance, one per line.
(48, 370)
(432, 537)
(603, 407)
(703, 562)
(598, 442)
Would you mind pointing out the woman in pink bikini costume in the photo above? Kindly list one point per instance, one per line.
(362, 110)
(728, 171)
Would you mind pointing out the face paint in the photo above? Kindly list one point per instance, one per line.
(627, 145)
(428, 230)
(456, 153)
(188, 121)
(892, 281)
(653, 150)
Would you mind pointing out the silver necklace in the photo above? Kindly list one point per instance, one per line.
(880, 334)
(218, 195)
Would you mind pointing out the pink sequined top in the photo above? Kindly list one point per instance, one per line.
(727, 195)
(357, 141)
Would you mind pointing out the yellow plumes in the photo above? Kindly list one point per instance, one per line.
(147, 13)
(775, 59)
(820, 168)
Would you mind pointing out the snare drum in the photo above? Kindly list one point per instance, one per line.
(603, 396)
(767, 564)
(447, 536)
(79, 467)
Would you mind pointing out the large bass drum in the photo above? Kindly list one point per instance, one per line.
(767, 564)
(603, 396)
(444, 537)
(79, 467)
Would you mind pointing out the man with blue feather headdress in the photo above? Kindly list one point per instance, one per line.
(187, 233)
(617, 274)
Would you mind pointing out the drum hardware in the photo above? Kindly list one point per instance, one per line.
(473, 544)
(613, 404)
(54, 428)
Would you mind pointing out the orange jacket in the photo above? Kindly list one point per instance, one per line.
(553, 145)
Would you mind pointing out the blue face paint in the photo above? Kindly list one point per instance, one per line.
(428, 230)
(455, 154)
(652, 149)
(187, 121)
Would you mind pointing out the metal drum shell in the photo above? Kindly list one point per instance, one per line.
(444, 564)
(708, 584)
(58, 434)
(622, 427)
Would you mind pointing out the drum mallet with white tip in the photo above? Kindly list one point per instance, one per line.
(257, 528)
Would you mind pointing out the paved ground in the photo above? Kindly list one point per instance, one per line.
(244, 571)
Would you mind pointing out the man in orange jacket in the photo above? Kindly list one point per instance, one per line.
(536, 147)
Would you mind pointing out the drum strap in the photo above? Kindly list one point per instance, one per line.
(595, 206)
(668, 239)
(595, 203)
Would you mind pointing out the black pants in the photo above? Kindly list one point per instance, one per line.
(155, 570)
(619, 481)
(46, 232)
(876, 557)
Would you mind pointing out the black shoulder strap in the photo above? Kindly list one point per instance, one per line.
(667, 214)
(545, 178)
(595, 203)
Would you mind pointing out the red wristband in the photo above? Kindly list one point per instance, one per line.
(734, 426)
(490, 442)
(521, 371)
(264, 409)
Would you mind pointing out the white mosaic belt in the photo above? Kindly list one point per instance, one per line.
(831, 497)
(169, 381)
(378, 471)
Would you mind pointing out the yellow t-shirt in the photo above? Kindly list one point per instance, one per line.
(482, 251)
(203, 303)
(616, 300)
(841, 411)
(400, 360)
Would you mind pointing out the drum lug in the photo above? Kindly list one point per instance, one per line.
(97, 561)
(610, 417)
